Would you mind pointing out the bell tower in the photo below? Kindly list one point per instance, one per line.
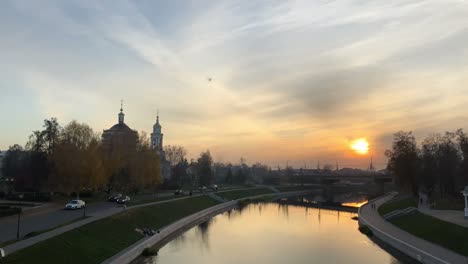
(157, 136)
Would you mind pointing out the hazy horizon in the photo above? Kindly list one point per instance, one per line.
(292, 81)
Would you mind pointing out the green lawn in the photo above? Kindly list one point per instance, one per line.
(451, 236)
(293, 188)
(97, 241)
(391, 206)
(233, 195)
(149, 199)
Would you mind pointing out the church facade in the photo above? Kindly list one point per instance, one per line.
(120, 141)
(120, 137)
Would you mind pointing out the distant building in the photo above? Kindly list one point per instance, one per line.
(157, 145)
(119, 137)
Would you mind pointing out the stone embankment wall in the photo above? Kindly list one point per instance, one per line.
(134, 251)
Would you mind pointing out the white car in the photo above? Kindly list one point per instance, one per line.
(75, 204)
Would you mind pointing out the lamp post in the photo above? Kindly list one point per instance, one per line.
(465, 194)
(19, 218)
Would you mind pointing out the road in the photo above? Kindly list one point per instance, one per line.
(50, 216)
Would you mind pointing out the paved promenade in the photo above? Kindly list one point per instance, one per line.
(451, 216)
(409, 244)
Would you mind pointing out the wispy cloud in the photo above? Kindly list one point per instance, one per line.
(300, 77)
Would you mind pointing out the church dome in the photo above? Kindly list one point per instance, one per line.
(120, 136)
(120, 127)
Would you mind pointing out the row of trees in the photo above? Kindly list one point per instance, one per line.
(183, 172)
(204, 171)
(71, 159)
(438, 166)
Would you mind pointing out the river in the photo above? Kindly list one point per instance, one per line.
(273, 233)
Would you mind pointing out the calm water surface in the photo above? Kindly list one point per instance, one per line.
(273, 233)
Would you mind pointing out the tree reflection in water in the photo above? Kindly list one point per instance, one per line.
(203, 230)
(274, 233)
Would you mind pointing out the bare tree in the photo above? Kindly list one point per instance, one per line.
(175, 154)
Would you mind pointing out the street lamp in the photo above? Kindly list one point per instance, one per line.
(465, 194)
(20, 209)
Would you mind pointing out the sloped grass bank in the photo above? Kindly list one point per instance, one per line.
(448, 235)
(294, 188)
(234, 195)
(97, 241)
(391, 206)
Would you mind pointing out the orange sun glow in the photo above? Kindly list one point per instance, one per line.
(360, 146)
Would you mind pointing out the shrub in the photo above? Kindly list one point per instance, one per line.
(86, 193)
(32, 197)
(7, 210)
(147, 252)
(366, 230)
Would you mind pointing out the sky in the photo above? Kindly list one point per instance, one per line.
(291, 81)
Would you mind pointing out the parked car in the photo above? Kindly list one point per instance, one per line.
(114, 197)
(202, 189)
(177, 192)
(214, 187)
(123, 199)
(75, 204)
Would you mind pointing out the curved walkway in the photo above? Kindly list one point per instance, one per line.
(415, 247)
(134, 251)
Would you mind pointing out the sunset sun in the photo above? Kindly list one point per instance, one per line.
(360, 146)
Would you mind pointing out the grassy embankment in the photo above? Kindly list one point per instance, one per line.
(448, 235)
(439, 232)
(97, 241)
(233, 195)
(397, 205)
(151, 199)
(293, 188)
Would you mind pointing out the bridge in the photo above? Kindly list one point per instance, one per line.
(337, 181)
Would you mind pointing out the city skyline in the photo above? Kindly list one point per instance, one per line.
(270, 81)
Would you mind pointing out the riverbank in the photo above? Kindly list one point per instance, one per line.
(413, 246)
(93, 241)
(274, 234)
(96, 241)
(134, 251)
